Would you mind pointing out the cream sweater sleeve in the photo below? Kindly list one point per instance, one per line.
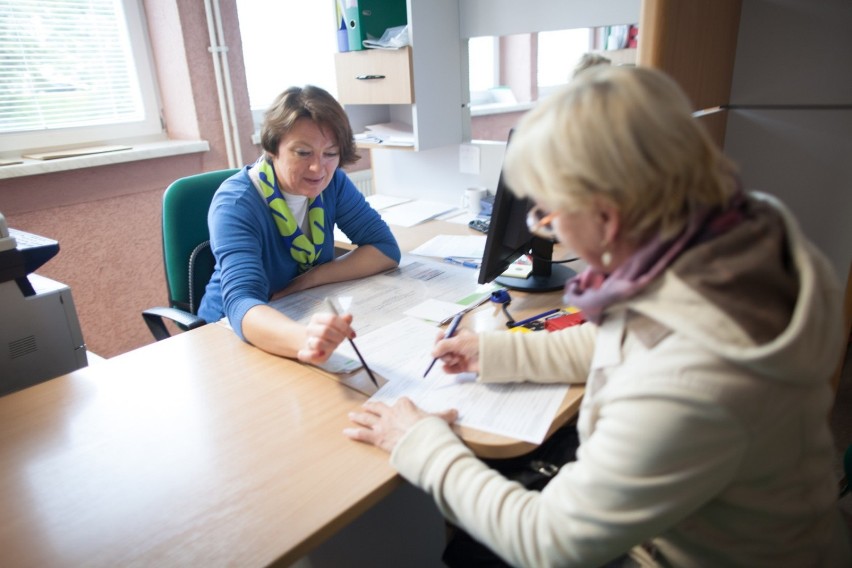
(560, 357)
(628, 485)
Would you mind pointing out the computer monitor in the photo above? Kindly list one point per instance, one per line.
(508, 238)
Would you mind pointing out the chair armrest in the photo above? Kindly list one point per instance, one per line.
(154, 318)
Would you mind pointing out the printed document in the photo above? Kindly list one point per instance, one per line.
(401, 351)
(380, 299)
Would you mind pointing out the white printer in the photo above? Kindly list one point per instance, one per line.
(40, 336)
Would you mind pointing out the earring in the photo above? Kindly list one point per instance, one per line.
(606, 259)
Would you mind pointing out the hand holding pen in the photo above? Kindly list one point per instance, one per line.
(336, 312)
(450, 331)
(459, 351)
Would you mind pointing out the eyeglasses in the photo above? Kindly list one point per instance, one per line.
(540, 223)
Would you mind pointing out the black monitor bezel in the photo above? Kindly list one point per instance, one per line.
(508, 238)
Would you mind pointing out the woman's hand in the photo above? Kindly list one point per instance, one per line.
(384, 426)
(459, 353)
(324, 332)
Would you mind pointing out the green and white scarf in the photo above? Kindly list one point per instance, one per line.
(305, 251)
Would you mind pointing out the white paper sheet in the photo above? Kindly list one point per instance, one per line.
(340, 236)
(413, 212)
(466, 246)
(378, 201)
(401, 352)
(433, 310)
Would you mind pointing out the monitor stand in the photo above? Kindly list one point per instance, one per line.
(534, 283)
(545, 275)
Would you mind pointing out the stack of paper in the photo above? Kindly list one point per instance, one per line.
(390, 133)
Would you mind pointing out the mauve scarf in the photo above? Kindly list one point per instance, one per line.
(593, 290)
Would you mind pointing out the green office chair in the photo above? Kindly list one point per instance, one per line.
(187, 257)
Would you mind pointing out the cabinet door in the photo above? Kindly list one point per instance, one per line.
(374, 76)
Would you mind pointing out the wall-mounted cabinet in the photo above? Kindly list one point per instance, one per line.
(374, 76)
(422, 85)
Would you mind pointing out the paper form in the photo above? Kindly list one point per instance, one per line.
(381, 299)
(401, 352)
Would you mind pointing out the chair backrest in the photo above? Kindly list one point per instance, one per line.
(186, 252)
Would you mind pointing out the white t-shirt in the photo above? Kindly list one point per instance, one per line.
(298, 205)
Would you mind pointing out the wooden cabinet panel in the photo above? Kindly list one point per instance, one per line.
(374, 76)
(694, 42)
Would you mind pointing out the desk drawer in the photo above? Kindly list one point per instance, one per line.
(374, 76)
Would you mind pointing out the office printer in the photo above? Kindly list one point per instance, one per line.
(40, 336)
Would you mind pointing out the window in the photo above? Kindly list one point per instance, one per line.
(284, 46)
(484, 64)
(75, 72)
(558, 52)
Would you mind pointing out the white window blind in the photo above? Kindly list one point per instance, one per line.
(70, 73)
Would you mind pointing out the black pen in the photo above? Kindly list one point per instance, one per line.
(450, 331)
(352, 343)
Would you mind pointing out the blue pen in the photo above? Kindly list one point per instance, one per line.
(535, 317)
(468, 263)
(450, 331)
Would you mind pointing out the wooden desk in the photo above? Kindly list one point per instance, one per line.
(197, 450)
(485, 444)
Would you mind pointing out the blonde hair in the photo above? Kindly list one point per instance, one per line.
(590, 59)
(627, 134)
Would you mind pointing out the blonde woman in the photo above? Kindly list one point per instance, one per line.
(714, 330)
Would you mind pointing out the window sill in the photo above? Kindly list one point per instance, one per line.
(137, 152)
(499, 108)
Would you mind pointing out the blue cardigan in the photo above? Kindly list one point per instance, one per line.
(252, 262)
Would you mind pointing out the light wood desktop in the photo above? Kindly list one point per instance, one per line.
(196, 450)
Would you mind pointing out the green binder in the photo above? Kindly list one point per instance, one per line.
(370, 18)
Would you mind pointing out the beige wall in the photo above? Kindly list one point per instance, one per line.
(107, 219)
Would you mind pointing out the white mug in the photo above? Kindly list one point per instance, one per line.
(472, 199)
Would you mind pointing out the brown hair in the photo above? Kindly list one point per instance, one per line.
(308, 102)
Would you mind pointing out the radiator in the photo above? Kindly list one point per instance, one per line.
(363, 180)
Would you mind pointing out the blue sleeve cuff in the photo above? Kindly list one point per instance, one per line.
(238, 312)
